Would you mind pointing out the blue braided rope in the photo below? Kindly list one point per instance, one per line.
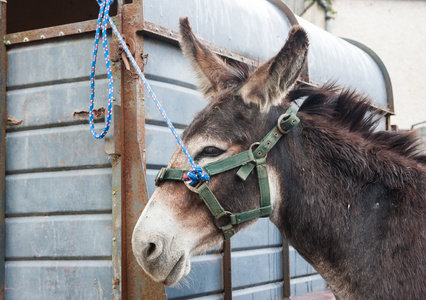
(102, 23)
(196, 174)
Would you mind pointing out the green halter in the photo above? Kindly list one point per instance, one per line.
(247, 161)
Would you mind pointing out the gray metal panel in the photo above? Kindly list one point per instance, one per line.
(174, 69)
(308, 284)
(299, 266)
(206, 272)
(261, 292)
(210, 297)
(54, 104)
(56, 61)
(333, 59)
(205, 277)
(68, 191)
(298, 286)
(150, 180)
(256, 28)
(53, 280)
(58, 147)
(261, 234)
(59, 236)
(257, 266)
(160, 144)
(180, 103)
(47, 82)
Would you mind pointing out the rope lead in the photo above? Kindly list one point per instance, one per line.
(196, 174)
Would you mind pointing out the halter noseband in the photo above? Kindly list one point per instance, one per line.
(247, 161)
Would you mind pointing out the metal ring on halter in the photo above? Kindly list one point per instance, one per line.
(254, 144)
(226, 213)
(193, 188)
(280, 119)
(258, 153)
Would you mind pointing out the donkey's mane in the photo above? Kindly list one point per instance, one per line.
(344, 108)
(352, 111)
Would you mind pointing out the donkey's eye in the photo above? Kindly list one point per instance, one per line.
(210, 151)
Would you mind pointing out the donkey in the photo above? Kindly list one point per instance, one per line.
(349, 199)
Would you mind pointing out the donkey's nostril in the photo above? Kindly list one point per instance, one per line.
(150, 250)
(153, 249)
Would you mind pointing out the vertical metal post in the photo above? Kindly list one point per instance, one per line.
(3, 120)
(113, 147)
(227, 271)
(117, 281)
(286, 270)
(135, 283)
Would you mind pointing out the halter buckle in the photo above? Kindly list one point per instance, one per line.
(160, 176)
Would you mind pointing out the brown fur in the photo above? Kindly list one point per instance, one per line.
(352, 199)
(212, 72)
(268, 84)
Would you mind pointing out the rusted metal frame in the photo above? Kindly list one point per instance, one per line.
(3, 120)
(286, 270)
(52, 32)
(227, 270)
(135, 283)
(113, 149)
(116, 227)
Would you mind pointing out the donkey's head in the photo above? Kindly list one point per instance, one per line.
(243, 106)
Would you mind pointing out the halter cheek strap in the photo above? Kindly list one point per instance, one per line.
(247, 161)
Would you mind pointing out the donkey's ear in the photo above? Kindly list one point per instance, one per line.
(211, 70)
(271, 81)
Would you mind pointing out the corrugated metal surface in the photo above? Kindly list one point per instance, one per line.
(258, 28)
(251, 27)
(58, 199)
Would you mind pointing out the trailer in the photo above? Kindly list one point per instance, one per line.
(70, 202)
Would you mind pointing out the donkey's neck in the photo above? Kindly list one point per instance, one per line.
(333, 208)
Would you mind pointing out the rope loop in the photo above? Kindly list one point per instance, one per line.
(102, 23)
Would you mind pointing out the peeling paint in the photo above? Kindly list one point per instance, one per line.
(12, 122)
(84, 114)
